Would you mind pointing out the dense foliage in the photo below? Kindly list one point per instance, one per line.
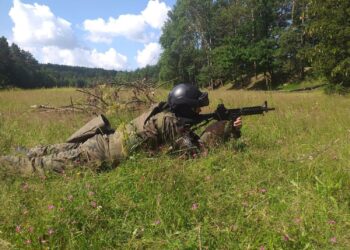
(211, 42)
(63, 75)
(207, 41)
(330, 26)
(18, 67)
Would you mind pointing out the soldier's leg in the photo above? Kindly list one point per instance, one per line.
(97, 151)
(51, 149)
(16, 165)
(91, 153)
(59, 162)
(23, 165)
(218, 132)
(35, 163)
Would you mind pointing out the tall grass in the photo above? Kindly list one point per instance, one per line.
(284, 185)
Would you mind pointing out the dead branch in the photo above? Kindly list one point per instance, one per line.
(108, 98)
(91, 94)
(45, 108)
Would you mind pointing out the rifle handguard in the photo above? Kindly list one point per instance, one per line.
(222, 113)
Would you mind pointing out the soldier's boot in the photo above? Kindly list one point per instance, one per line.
(17, 165)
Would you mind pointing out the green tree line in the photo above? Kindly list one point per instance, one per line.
(18, 68)
(210, 41)
(207, 42)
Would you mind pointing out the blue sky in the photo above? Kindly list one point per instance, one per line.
(110, 34)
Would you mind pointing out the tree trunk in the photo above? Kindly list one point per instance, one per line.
(293, 10)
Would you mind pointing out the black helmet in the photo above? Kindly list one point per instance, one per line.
(187, 95)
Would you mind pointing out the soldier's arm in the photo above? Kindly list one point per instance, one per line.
(221, 131)
(167, 130)
(177, 134)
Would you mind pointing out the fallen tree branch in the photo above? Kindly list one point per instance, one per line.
(91, 94)
(108, 98)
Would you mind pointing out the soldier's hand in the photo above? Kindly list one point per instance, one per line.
(238, 123)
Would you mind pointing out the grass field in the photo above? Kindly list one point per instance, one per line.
(284, 185)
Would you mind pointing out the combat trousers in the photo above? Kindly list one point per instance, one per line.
(92, 154)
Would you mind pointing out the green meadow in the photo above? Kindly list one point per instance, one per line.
(284, 185)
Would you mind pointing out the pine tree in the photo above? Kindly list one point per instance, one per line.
(5, 62)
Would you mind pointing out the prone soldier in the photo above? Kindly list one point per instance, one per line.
(166, 123)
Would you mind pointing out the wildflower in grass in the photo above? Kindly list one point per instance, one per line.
(233, 228)
(70, 197)
(157, 222)
(91, 193)
(331, 222)
(50, 207)
(61, 209)
(25, 211)
(262, 248)
(25, 186)
(194, 206)
(28, 242)
(333, 240)
(18, 229)
(263, 190)
(50, 231)
(93, 204)
(286, 237)
(297, 220)
(30, 229)
(245, 204)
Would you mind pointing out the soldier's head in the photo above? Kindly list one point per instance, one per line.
(186, 99)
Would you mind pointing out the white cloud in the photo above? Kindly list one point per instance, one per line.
(132, 27)
(111, 59)
(155, 14)
(51, 39)
(149, 55)
(36, 25)
(129, 26)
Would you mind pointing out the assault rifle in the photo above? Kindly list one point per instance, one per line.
(222, 113)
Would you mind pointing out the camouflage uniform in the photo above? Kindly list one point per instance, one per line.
(160, 129)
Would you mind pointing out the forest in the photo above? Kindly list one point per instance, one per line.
(234, 40)
(208, 43)
(18, 68)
